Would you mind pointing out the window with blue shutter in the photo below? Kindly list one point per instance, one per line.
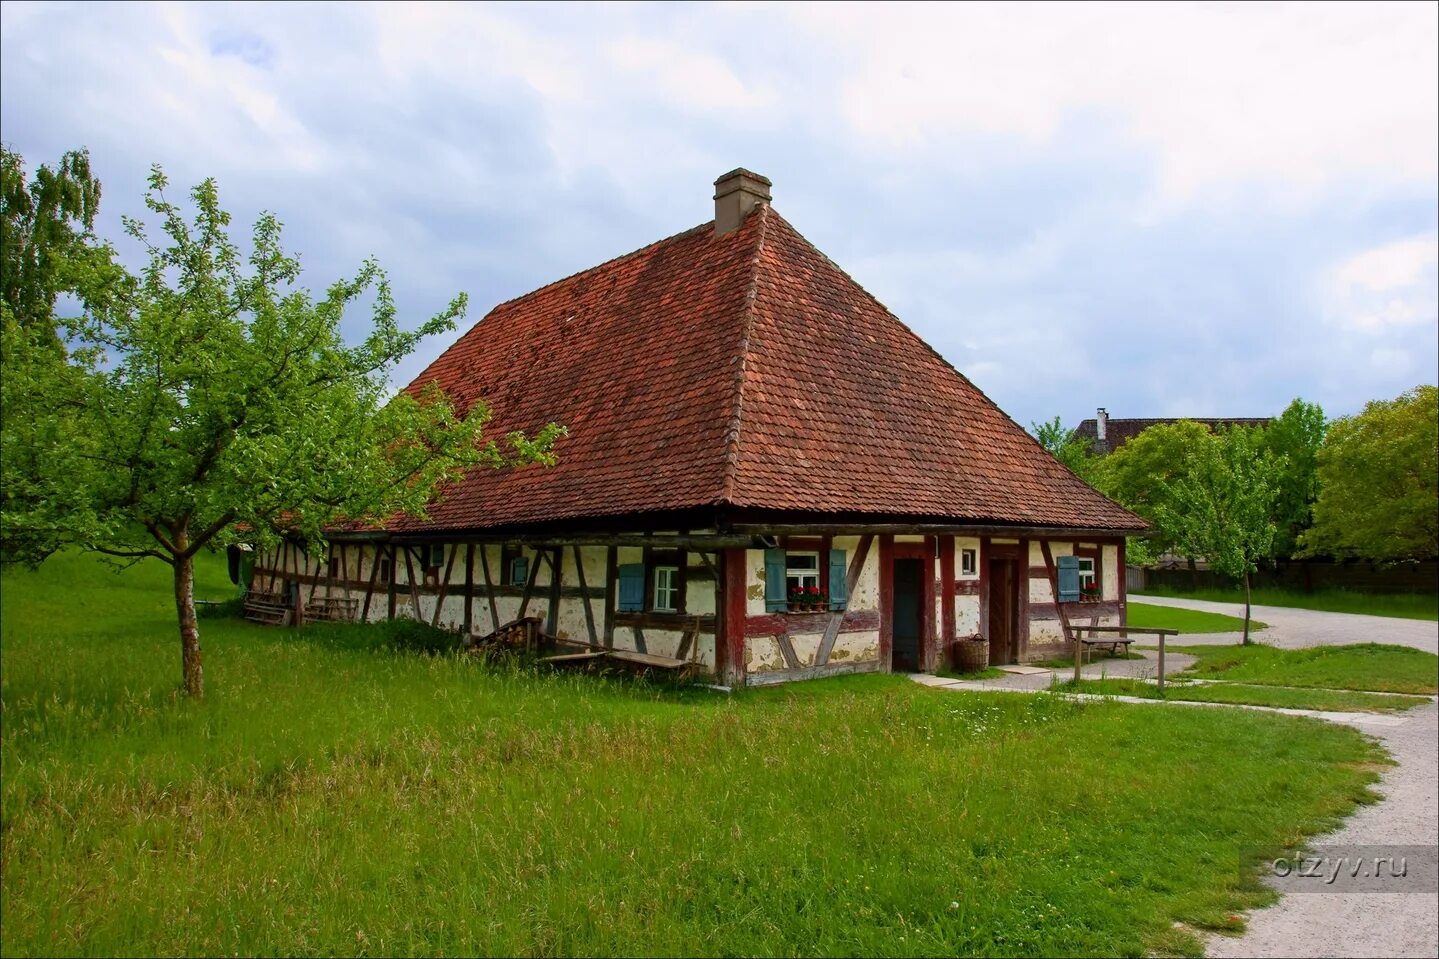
(632, 588)
(775, 600)
(1068, 579)
(520, 570)
(838, 582)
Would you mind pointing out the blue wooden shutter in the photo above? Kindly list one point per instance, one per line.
(632, 588)
(838, 584)
(1068, 579)
(775, 600)
(520, 571)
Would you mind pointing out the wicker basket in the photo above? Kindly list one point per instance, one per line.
(970, 655)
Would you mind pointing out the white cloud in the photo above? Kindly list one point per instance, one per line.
(1389, 286)
(1295, 95)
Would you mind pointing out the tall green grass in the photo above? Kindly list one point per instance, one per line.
(1147, 615)
(337, 795)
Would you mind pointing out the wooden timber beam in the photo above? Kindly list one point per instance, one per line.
(928, 529)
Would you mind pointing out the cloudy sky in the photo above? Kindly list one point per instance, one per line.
(1167, 210)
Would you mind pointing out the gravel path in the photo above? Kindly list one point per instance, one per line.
(1365, 924)
(1296, 628)
(1333, 924)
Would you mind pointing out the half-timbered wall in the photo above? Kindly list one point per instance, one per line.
(470, 591)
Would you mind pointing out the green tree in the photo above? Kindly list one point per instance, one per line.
(1379, 482)
(1295, 437)
(1140, 474)
(1064, 446)
(46, 223)
(1222, 506)
(209, 398)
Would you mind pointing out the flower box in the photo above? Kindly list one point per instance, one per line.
(808, 599)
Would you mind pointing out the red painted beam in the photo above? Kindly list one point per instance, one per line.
(886, 600)
(729, 638)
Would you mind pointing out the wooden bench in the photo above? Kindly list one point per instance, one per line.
(1120, 636)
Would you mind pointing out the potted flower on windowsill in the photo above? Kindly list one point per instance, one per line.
(1089, 593)
(816, 598)
(797, 599)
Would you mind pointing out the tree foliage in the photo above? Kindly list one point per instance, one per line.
(1222, 506)
(1140, 475)
(46, 224)
(1295, 438)
(210, 398)
(1064, 446)
(1378, 474)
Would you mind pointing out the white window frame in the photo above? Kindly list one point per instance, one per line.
(801, 576)
(968, 561)
(1086, 571)
(666, 594)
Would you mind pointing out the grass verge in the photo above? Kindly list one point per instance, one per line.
(1145, 615)
(1284, 697)
(339, 793)
(1400, 605)
(1365, 666)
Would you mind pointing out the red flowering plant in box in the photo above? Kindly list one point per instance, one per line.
(1089, 592)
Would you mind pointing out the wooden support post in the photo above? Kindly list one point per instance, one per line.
(557, 566)
(490, 585)
(444, 587)
(393, 583)
(370, 589)
(730, 629)
(612, 573)
(589, 611)
(469, 588)
(1161, 665)
(886, 602)
(414, 587)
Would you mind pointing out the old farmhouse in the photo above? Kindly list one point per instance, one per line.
(767, 474)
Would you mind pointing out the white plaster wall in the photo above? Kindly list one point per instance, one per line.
(859, 647)
(966, 615)
(754, 582)
(908, 538)
(866, 589)
(1112, 573)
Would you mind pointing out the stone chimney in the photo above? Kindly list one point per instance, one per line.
(736, 193)
(1101, 426)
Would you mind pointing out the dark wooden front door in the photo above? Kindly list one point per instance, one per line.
(1003, 611)
(908, 600)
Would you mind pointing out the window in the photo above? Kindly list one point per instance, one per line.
(1087, 580)
(514, 567)
(801, 570)
(435, 555)
(667, 589)
(968, 562)
(384, 570)
(334, 567)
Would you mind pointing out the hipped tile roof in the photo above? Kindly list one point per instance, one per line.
(744, 371)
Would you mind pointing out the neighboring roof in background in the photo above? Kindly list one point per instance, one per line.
(1121, 431)
(741, 371)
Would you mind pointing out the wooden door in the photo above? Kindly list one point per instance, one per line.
(907, 619)
(1003, 611)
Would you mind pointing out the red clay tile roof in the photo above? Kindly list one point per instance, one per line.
(746, 371)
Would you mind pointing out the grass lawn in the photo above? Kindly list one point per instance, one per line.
(1401, 605)
(1336, 700)
(335, 796)
(1373, 666)
(1187, 620)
